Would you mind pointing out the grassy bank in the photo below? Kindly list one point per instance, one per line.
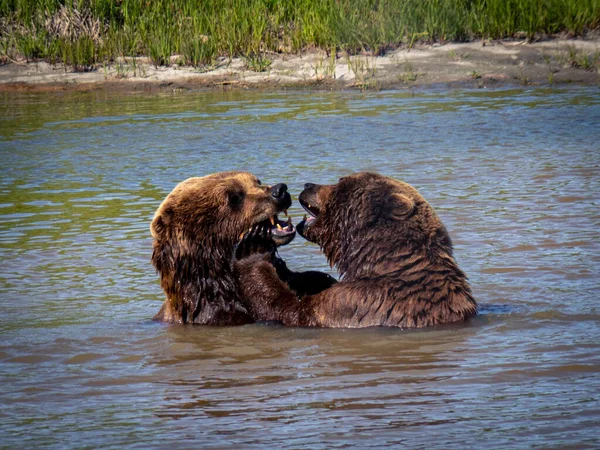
(95, 32)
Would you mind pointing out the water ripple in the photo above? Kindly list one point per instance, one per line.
(512, 173)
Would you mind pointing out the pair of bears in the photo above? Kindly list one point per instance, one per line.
(215, 241)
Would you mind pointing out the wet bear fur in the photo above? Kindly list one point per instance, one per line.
(197, 232)
(393, 253)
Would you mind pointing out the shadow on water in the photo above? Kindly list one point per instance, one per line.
(271, 376)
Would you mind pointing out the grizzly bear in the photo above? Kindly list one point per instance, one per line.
(392, 251)
(196, 230)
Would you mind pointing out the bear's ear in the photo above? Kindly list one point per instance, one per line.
(160, 223)
(402, 206)
(235, 199)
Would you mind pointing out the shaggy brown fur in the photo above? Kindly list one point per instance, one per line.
(392, 250)
(196, 230)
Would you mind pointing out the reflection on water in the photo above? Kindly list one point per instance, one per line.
(513, 174)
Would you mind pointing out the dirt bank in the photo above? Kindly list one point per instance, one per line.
(481, 63)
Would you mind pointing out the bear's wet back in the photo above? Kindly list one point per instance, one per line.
(393, 253)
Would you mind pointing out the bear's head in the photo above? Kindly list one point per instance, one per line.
(366, 217)
(196, 229)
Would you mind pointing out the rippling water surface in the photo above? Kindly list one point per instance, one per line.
(514, 174)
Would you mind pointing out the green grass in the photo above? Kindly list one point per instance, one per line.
(89, 33)
(257, 62)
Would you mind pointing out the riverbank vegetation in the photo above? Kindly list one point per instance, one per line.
(88, 33)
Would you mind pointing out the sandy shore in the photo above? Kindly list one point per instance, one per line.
(478, 64)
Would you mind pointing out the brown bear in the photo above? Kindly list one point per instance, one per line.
(196, 230)
(391, 249)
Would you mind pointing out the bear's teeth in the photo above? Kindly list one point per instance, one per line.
(241, 236)
(279, 227)
(285, 212)
(272, 219)
(289, 222)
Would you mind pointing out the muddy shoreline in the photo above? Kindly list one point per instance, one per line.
(474, 64)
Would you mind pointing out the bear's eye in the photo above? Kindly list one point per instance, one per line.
(235, 198)
(258, 182)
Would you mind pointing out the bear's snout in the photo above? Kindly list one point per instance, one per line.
(282, 197)
(279, 190)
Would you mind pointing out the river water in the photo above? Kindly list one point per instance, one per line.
(513, 173)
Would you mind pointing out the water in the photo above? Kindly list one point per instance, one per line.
(514, 174)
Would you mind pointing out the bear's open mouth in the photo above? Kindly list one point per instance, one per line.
(281, 232)
(281, 229)
(312, 210)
